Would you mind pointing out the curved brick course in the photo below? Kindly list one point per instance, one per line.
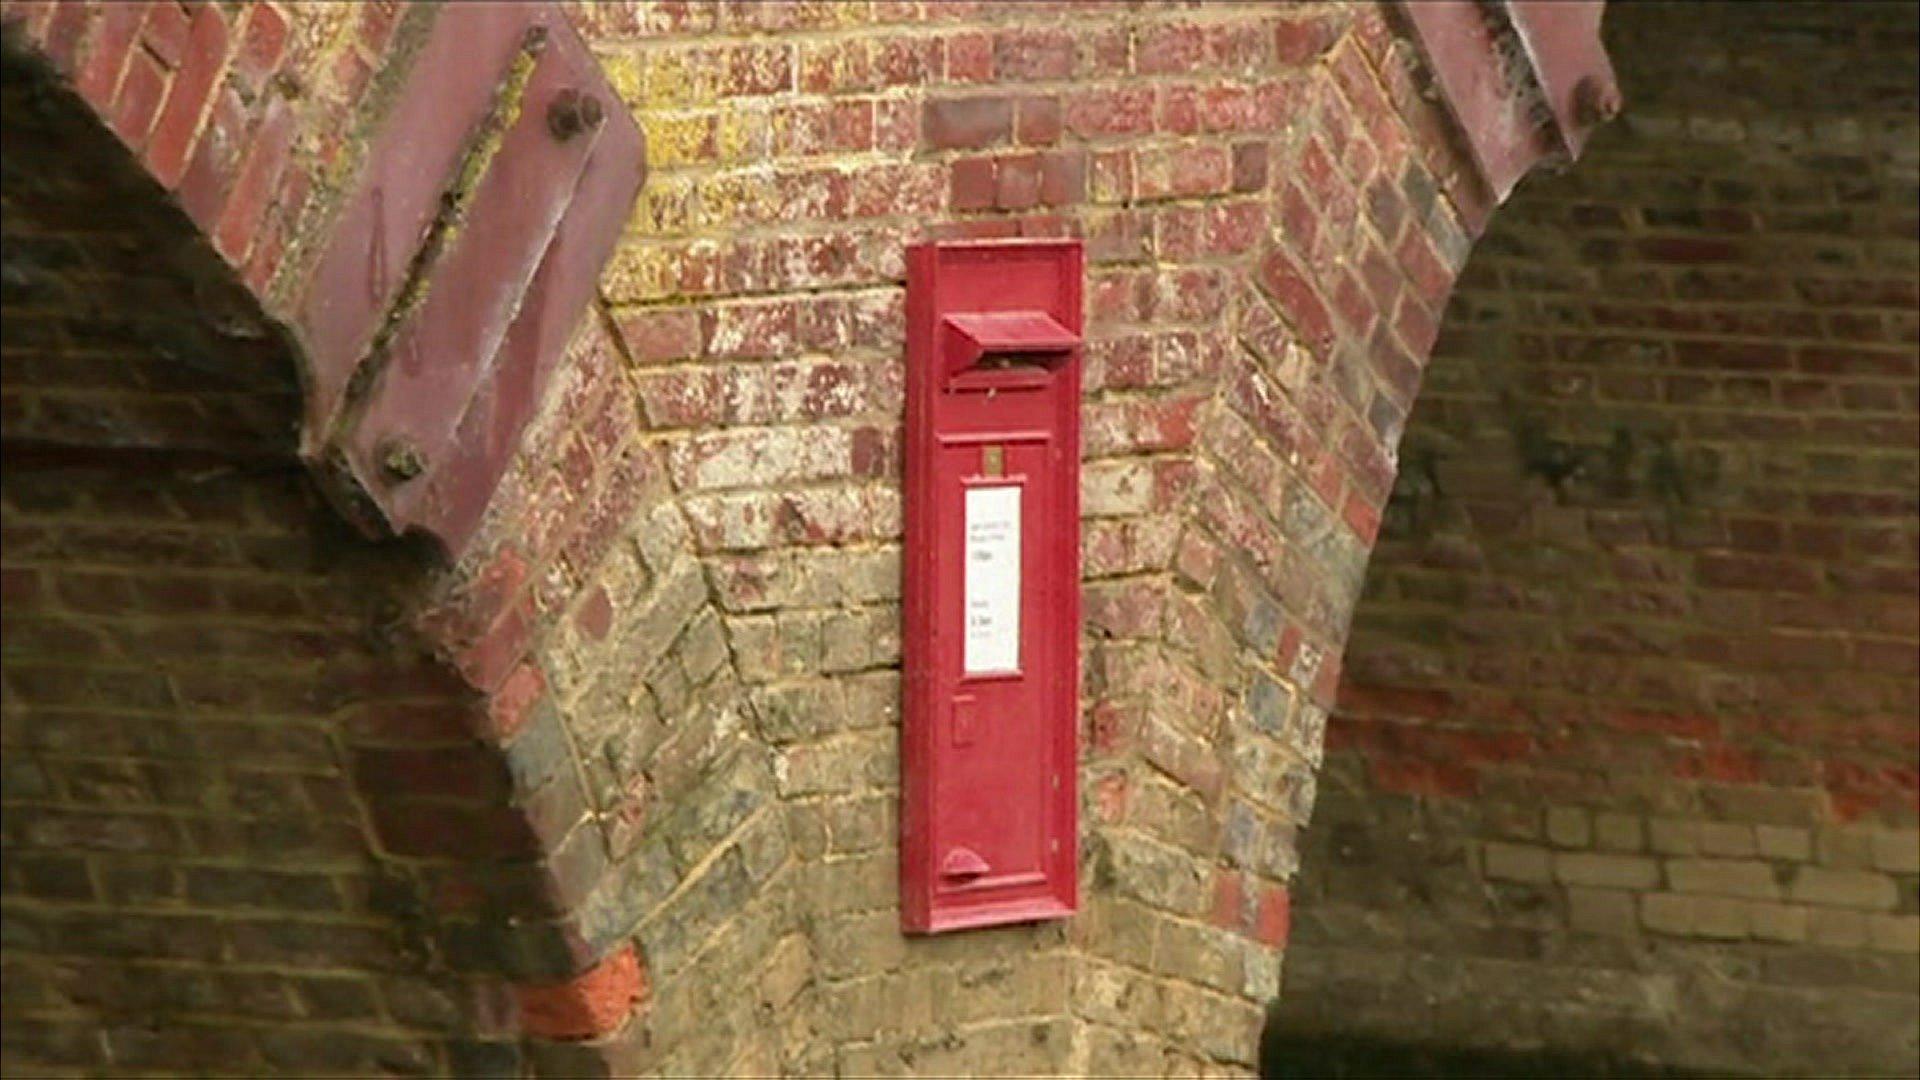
(1624, 761)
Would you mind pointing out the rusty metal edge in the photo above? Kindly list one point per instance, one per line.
(1524, 81)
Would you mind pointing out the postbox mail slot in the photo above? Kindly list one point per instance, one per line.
(1004, 350)
(991, 591)
(1011, 371)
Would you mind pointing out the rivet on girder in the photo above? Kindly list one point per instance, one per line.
(573, 112)
(401, 459)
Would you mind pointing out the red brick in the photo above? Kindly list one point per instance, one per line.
(166, 32)
(1016, 182)
(168, 151)
(592, 1004)
(654, 337)
(1032, 55)
(488, 661)
(262, 42)
(246, 204)
(478, 601)
(1416, 326)
(65, 30)
(969, 57)
(1298, 300)
(1302, 39)
(139, 100)
(966, 123)
(1063, 178)
(107, 49)
(1274, 923)
(903, 62)
(1170, 49)
(510, 706)
(1039, 121)
(1105, 113)
(600, 521)
(1177, 110)
(1230, 907)
(972, 184)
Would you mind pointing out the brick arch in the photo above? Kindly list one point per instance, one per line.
(273, 143)
(1629, 699)
(1389, 173)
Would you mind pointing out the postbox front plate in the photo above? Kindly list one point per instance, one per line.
(992, 593)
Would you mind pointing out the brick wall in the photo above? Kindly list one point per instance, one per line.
(245, 112)
(251, 824)
(194, 677)
(1254, 340)
(1625, 757)
(682, 604)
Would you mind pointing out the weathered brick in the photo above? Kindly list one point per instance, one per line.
(1611, 871)
(1602, 911)
(1723, 877)
(1843, 888)
(594, 1003)
(1672, 638)
(1778, 922)
(1516, 862)
(1894, 933)
(1778, 842)
(1569, 827)
(1701, 916)
(1618, 832)
(967, 123)
(1897, 851)
(1835, 927)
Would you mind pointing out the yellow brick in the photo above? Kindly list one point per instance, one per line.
(678, 138)
(682, 77)
(742, 135)
(626, 76)
(1894, 933)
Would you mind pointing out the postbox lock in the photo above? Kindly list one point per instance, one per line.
(963, 864)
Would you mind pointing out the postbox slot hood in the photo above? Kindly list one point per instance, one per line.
(983, 333)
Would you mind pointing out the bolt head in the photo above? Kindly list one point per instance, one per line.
(573, 112)
(401, 460)
(1595, 103)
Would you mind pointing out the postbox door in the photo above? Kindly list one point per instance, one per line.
(992, 776)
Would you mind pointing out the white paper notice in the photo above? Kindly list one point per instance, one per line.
(992, 642)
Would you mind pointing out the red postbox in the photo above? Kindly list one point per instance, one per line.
(992, 590)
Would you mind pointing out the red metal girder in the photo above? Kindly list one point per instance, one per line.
(449, 500)
(439, 354)
(437, 315)
(1525, 80)
(448, 94)
(1562, 39)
